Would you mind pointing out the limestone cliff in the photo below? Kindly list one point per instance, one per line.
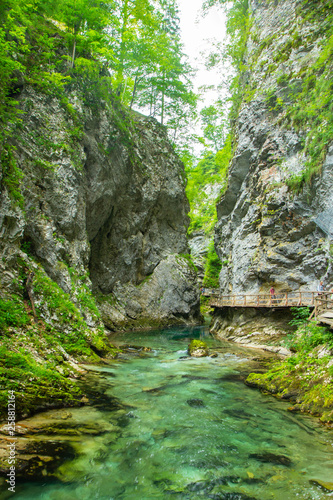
(281, 174)
(103, 197)
(267, 232)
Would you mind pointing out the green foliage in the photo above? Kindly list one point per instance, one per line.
(12, 175)
(214, 124)
(189, 260)
(210, 170)
(300, 315)
(213, 267)
(308, 336)
(131, 45)
(82, 294)
(12, 312)
(33, 383)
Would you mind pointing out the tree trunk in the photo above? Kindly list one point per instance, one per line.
(162, 108)
(122, 51)
(73, 53)
(163, 99)
(134, 90)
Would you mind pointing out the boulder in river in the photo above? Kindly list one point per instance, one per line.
(196, 403)
(271, 458)
(198, 348)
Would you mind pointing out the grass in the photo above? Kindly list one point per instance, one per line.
(306, 376)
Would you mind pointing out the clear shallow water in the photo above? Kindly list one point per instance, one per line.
(191, 430)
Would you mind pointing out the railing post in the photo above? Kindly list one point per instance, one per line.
(287, 299)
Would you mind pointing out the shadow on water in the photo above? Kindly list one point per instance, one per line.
(164, 427)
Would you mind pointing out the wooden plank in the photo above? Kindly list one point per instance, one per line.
(327, 314)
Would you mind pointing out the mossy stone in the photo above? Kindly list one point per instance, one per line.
(198, 348)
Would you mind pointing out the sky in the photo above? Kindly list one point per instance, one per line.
(197, 35)
(196, 32)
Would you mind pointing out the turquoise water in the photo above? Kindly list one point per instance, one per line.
(190, 429)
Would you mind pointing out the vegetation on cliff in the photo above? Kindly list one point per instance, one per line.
(302, 95)
(284, 74)
(305, 378)
(43, 337)
(132, 46)
(61, 62)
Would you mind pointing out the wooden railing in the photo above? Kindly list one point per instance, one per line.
(288, 299)
(323, 302)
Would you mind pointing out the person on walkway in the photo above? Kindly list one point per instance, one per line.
(320, 288)
(273, 296)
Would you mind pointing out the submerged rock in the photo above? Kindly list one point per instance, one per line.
(271, 458)
(131, 347)
(198, 349)
(207, 486)
(230, 496)
(196, 403)
(327, 486)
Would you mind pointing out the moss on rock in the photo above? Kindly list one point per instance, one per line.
(198, 348)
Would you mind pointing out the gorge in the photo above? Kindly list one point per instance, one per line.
(94, 243)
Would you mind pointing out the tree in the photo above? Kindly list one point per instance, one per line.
(131, 35)
(85, 22)
(214, 124)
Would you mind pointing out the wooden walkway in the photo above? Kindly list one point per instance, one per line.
(288, 299)
(323, 311)
(322, 303)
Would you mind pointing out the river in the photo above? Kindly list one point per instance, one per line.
(185, 428)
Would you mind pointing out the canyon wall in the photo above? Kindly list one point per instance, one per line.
(102, 203)
(269, 229)
(266, 232)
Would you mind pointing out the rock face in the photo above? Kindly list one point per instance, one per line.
(167, 296)
(103, 196)
(267, 233)
(256, 328)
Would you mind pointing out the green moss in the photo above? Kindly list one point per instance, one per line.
(33, 383)
(12, 312)
(33, 355)
(12, 175)
(213, 267)
(303, 377)
(197, 344)
(189, 261)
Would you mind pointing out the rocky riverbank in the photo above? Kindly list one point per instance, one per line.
(253, 327)
(305, 377)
